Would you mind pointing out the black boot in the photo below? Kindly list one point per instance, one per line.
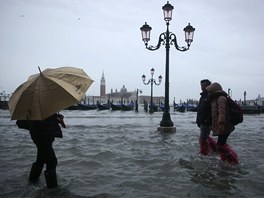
(51, 178)
(35, 173)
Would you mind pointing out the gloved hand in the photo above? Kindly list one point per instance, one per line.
(60, 120)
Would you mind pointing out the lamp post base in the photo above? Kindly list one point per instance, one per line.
(171, 129)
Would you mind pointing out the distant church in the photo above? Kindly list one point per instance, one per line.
(118, 96)
(102, 86)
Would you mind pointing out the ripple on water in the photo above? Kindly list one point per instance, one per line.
(117, 154)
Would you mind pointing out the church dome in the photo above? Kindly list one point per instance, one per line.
(123, 89)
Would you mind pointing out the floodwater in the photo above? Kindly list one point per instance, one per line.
(118, 154)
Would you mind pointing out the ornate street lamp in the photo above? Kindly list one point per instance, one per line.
(167, 38)
(151, 81)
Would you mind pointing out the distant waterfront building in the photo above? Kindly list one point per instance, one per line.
(102, 86)
(116, 96)
(157, 100)
(121, 96)
(4, 98)
(260, 100)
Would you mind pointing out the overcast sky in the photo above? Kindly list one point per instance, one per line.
(104, 36)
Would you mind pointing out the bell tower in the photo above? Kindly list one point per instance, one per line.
(102, 86)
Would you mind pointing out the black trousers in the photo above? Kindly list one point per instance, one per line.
(222, 139)
(45, 152)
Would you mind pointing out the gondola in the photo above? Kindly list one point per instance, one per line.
(87, 106)
(72, 107)
(103, 106)
(115, 107)
(153, 108)
(250, 109)
(192, 108)
(127, 107)
(180, 108)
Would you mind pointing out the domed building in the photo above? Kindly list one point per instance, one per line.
(122, 95)
(123, 90)
(116, 96)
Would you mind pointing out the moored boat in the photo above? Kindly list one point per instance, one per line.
(128, 107)
(153, 108)
(250, 109)
(115, 107)
(180, 108)
(87, 106)
(72, 107)
(192, 108)
(103, 106)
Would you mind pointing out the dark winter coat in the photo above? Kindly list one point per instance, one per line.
(48, 127)
(204, 111)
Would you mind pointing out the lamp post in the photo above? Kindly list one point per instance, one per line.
(138, 91)
(167, 38)
(245, 95)
(151, 81)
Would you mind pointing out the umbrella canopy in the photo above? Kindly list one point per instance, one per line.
(48, 92)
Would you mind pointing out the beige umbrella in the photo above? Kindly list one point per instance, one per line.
(48, 92)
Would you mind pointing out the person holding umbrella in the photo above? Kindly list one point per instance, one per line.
(43, 134)
(35, 104)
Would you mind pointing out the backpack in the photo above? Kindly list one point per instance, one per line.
(235, 112)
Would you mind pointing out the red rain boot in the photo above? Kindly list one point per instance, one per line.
(212, 144)
(227, 153)
(204, 148)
